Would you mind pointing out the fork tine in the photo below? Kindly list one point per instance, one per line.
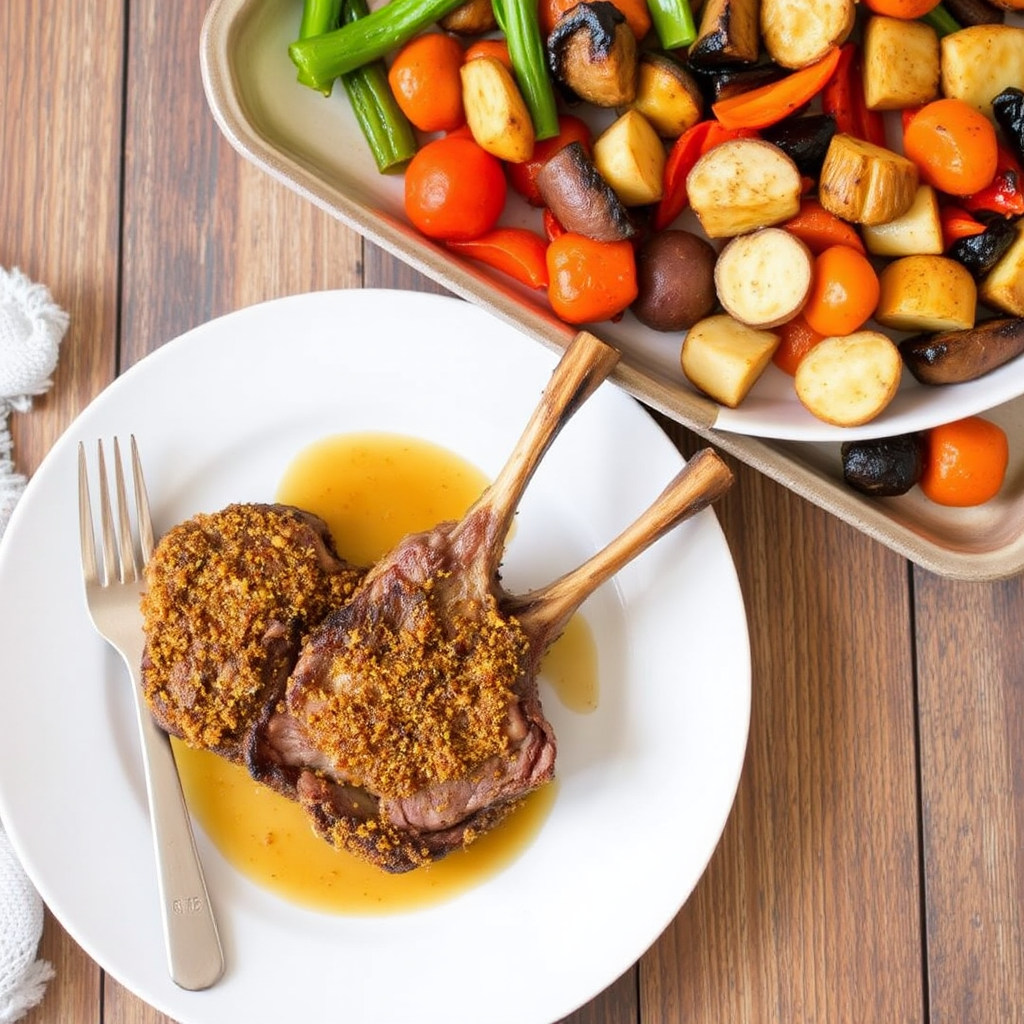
(110, 566)
(129, 563)
(142, 505)
(85, 520)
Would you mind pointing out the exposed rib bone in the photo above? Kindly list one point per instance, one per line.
(543, 613)
(582, 368)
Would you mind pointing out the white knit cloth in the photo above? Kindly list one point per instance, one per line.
(31, 329)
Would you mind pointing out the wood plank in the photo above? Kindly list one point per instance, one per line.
(809, 908)
(59, 205)
(970, 638)
(205, 231)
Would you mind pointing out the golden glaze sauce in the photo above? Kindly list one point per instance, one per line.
(371, 489)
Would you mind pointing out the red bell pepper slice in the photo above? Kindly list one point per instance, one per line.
(552, 228)
(685, 152)
(843, 98)
(957, 223)
(769, 104)
(518, 252)
(1005, 194)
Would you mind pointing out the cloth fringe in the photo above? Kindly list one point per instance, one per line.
(32, 326)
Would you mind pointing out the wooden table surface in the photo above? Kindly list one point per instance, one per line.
(871, 870)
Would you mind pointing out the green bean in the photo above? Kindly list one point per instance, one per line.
(941, 20)
(518, 19)
(367, 39)
(387, 130)
(673, 22)
(318, 17)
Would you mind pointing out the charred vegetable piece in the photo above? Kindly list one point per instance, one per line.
(973, 12)
(980, 253)
(1008, 108)
(884, 467)
(803, 139)
(729, 33)
(719, 83)
(675, 279)
(580, 199)
(953, 357)
(592, 52)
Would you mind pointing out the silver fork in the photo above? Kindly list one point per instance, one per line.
(194, 955)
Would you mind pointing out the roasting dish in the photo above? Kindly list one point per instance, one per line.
(669, 733)
(297, 139)
(313, 144)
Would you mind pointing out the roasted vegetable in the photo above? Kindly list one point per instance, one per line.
(728, 34)
(592, 52)
(799, 32)
(918, 230)
(864, 183)
(719, 83)
(743, 184)
(470, 18)
(849, 380)
(884, 467)
(803, 139)
(724, 358)
(673, 23)
(630, 157)
(326, 56)
(1008, 108)
(979, 62)
(667, 95)
(973, 12)
(518, 19)
(926, 293)
(901, 63)
(580, 199)
(318, 16)
(1003, 286)
(496, 111)
(952, 357)
(981, 252)
(763, 278)
(675, 277)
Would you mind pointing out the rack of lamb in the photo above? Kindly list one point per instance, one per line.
(411, 721)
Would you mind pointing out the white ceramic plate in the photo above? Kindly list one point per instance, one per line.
(315, 147)
(647, 781)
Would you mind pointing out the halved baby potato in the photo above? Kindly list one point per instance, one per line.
(763, 278)
(741, 185)
(849, 380)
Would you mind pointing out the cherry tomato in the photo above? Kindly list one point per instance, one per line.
(454, 189)
(523, 177)
(965, 463)
(844, 291)
(589, 280)
(954, 146)
(426, 82)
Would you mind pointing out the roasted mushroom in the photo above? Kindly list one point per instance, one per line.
(1008, 108)
(592, 53)
(884, 467)
(580, 199)
(803, 139)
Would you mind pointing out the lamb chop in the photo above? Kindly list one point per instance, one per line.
(412, 721)
(229, 597)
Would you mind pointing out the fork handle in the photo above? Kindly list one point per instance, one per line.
(194, 954)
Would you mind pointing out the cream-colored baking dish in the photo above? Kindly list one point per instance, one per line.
(313, 145)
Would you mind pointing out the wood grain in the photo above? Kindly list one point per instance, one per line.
(969, 643)
(871, 869)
